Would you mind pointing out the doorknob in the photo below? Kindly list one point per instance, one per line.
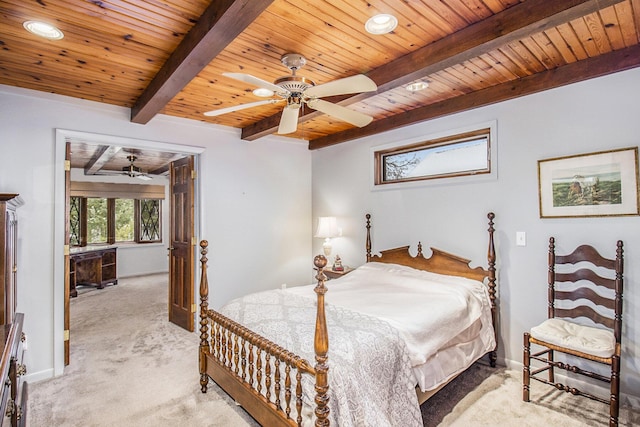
(170, 248)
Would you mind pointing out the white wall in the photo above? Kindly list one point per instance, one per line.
(590, 116)
(254, 204)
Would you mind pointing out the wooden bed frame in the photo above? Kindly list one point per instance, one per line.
(232, 355)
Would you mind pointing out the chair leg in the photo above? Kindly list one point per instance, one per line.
(552, 377)
(525, 367)
(614, 408)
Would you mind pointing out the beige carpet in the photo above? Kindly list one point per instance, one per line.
(130, 367)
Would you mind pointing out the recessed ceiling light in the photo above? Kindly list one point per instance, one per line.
(43, 29)
(381, 24)
(263, 92)
(416, 86)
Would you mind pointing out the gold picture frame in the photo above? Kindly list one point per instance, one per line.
(603, 183)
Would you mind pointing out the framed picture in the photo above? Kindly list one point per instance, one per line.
(589, 185)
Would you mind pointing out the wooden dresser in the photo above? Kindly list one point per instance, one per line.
(8, 255)
(13, 400)
(13, 397)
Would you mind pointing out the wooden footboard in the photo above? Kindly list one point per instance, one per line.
(260, 375)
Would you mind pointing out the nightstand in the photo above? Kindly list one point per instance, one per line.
(331, 274)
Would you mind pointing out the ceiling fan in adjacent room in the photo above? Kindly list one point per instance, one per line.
(130, 170)
(134, 171)
(297, 91)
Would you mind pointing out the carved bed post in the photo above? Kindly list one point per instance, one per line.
(368, 216)
(321, 346)
(204, 296)
(491, 260)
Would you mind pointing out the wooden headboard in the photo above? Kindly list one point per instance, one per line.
(445, 263)
(440, 261)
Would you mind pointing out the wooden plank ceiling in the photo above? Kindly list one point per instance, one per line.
(168, 56)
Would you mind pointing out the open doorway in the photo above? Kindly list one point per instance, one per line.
(90, 156)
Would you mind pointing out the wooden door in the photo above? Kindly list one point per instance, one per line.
(182, 244)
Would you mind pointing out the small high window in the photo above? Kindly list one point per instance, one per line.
(457, 155)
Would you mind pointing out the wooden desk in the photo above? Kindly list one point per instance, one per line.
(93, 266)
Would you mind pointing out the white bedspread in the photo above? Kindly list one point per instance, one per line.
(370, 378)
(427, 309)
(385, 321)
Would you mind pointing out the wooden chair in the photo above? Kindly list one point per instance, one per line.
(565, 331)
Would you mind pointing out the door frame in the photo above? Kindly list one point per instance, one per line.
(61, 137)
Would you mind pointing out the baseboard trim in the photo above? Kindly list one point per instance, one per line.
(39, 376)
(132, 276)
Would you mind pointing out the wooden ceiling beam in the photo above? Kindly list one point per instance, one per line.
(101, 157)
(512, 24)
(602, 65)
(221, 22)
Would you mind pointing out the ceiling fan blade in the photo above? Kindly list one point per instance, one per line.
(248, 78)
(103, 172)
(353, 84)
(339, 112)
(288, 120)
(241, 107)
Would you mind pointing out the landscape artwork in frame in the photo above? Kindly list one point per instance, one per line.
(596, 184)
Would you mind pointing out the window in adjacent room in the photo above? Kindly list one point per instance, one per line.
(125, 220)
(95, 220)
(457, 155)
(149, 220)
(74, 221)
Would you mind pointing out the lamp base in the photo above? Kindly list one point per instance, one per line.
(326, 247)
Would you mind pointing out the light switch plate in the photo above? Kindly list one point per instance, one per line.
(521, 238)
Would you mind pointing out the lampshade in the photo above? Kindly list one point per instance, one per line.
(327, 227)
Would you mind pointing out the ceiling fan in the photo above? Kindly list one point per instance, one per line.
(130, 170)
(297, 91)
(134, 171)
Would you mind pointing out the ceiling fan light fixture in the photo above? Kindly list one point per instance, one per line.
(43, 29)
(263, 92)
(381, 24)
(131, 170)
(417, 86)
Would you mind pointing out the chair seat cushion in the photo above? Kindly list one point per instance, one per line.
(585, 339)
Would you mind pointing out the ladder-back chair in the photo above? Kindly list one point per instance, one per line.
(594, 341)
